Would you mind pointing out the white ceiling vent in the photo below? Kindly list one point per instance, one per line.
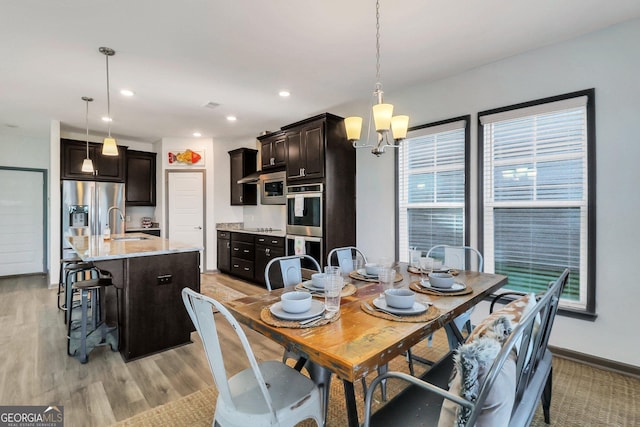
(211, 105)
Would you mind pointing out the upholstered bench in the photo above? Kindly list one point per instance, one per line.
(499, 375)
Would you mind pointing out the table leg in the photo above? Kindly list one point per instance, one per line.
(350, 400)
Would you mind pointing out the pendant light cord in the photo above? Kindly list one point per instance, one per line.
(378, 84)
(108, 97)
(86, 124)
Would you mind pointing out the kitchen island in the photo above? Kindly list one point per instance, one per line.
(149, 273)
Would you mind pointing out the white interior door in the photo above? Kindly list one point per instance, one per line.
(185, 196)
(21, 222)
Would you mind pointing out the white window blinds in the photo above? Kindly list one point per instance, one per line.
(536, 196)
(431, 193)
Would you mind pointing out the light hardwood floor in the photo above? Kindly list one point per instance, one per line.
(35, 368)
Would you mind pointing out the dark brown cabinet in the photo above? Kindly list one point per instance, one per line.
(268, 248)
(305, 151)
(106, 168)
(152, 315)
(273, 151)
(242, 255)
(243, 162)
(224, 251)
(141, 178)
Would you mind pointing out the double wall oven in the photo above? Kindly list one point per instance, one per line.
(305, 221)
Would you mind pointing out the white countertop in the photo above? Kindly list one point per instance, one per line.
(94, 248)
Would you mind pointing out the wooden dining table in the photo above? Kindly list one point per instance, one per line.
(358, 343)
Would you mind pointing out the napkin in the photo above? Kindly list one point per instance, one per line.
(298, 206)
(299, 246)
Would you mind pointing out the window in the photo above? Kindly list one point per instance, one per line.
(537, 201)
(433, 186)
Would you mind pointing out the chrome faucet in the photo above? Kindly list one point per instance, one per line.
(109, 214)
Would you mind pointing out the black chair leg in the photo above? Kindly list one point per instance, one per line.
(546, 397)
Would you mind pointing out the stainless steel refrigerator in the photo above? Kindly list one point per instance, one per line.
(86, 208)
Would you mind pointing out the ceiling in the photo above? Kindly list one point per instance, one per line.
(178, 56)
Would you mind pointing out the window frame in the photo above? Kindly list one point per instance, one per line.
(467, 177)
(589, 312)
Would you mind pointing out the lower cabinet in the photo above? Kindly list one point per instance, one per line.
(268, 248)
(242, 255)
(224, 251)
(246, 255)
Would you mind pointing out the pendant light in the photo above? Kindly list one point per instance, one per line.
(382, 113)
(109, 145)
(87, 164)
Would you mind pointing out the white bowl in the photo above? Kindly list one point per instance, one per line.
(399, 298)
(371, 268)
(318, 280)
(441, 280)
(296, 302)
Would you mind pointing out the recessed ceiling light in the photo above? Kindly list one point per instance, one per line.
(232, 118)
(197, 134)
(107, 119)
(127, 92)
(284, 93)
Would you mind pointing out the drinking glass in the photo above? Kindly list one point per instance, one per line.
(331, 270)
(386, 276)
(358, 264)
(332, 289)
(414, 257)
(426, 267)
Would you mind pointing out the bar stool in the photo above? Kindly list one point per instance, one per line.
(92, 330)
(67, 259)
(73, 272)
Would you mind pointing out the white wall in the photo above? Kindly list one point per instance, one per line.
(608, 61)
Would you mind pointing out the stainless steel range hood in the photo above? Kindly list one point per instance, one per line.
(252, 178)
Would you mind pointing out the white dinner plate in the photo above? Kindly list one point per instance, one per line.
(456, 287)
(363, 273)
(317, 307)
(308, 284)
(417, 308)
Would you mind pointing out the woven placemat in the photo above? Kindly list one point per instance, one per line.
(347, 290)
(431, 313)
(415, 286)
(357, 276)
(268, 318)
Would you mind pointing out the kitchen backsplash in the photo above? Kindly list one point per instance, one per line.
(134, 215)
(273, 216)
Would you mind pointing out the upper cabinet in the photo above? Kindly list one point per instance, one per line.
(273, 150)
(243, 162)
(106, 168)
(141, 178)
(312, 145)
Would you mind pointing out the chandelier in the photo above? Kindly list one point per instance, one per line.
(385, 122)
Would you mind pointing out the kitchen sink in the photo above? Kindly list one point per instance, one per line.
(127, 239)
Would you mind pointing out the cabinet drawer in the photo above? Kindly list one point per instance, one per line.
(242, 268)
(242, 250)
(270, 241)
(224, 235)
(242, 237)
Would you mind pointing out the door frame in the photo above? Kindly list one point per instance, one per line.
(203, 173)
(45, 211)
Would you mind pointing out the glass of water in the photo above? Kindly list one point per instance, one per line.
(332, 288)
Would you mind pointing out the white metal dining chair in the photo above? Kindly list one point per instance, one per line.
(459, 258)
(344, 257)
(291, 274)
(268, 393)
(290, 269)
